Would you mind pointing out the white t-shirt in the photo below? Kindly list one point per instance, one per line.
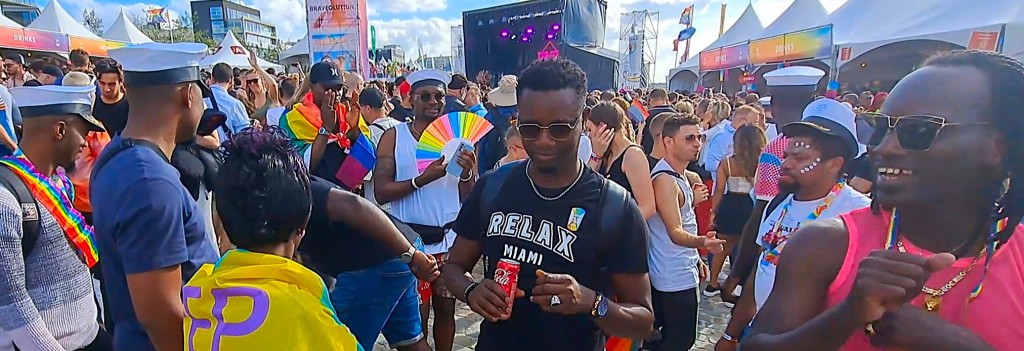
(585, 149)
(377, 129)
(673, 268)
(848, 200)
(274, 116)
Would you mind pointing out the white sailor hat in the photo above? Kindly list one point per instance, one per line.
(55, 100)
(765, 101)
(794, 76)
(153, 64)
(429, 77)
(829, 117)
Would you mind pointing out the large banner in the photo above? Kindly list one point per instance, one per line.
(95, 47)
(633, 68)
(33, 40)
(337, 32)
(724, 58)
(814, 43)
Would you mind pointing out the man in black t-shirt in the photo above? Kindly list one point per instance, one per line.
(659, 105)
(376, 265)
(111, 108)
(572, 259)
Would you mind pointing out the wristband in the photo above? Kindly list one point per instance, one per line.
(468, 290)
(595, 157)
(470, 177)
(730, 339)
(413, 181)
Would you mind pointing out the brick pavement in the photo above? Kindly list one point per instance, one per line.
(712, 316)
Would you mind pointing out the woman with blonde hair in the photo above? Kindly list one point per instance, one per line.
(617, 157)
(730, 202)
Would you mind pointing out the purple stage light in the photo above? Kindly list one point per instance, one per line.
(529, 30)
(551, 36)
(504, 33)
(526, 39)
(556, 26)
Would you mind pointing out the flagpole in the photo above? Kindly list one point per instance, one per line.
(686, 52)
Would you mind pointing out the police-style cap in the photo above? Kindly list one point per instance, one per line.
(56, 100)
(794, 76)
(829, 117)
(429, 77)
(155, 64)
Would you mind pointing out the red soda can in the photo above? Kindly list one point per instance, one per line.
(507, 274)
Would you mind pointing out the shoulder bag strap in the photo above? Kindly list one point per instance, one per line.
(29, 208)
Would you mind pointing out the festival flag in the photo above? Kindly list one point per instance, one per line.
(637, 112)
(675, 45)
(159, 15)
(360, 161)
(686, 18)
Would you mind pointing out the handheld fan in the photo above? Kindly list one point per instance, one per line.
(443, 136)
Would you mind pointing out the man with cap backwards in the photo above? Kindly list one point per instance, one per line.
(458, 86)
(428, 201)
(41, 232)
(149, 230)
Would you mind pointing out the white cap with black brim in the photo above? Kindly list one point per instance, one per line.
(56, 100)
(156, 64)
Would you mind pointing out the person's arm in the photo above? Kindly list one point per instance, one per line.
(22, 322)
(666, 199)
(151, 239)
(861, 185)
(467, 180)
(8, 140)
(748, 250)
(638, 174)
(269, 81)
(211, 141)
(718, 149)
(797, 304)
(328, 115)
(385, 188)
(720, 180)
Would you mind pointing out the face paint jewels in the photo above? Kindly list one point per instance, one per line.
(804, 145)
(811, 166)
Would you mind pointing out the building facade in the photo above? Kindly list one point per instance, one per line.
(218, 17)
(389, 53)
(21, 11)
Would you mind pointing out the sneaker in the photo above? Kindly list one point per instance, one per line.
(730, 301)
(710, 291)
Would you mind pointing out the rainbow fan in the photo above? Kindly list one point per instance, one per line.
(442, 137)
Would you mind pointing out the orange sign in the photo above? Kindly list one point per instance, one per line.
(93, 46)
(766, 50)
(984, 41)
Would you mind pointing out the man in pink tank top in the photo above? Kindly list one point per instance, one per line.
(933, 265)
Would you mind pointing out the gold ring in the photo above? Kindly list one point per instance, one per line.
(870, 329)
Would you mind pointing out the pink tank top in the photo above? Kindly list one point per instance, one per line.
(1000, 304)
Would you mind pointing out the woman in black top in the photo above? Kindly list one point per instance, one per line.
(621, 160)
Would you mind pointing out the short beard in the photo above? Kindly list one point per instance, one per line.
(789, 188)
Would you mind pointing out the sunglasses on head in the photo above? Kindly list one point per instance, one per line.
(557, 131)
(914, 132)
(427, 97)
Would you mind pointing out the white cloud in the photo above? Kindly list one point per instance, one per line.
(434, 33)
(403, 6)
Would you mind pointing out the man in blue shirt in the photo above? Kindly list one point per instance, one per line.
(151, 236)
(720, 145)
(238, 118)
(10, 116)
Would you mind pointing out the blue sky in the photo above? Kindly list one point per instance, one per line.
(402, 22)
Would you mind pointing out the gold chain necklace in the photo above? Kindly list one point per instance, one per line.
(933, 297)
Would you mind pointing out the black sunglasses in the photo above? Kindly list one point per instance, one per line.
(426, 97)
(252, 81)
(914, 132)
(557, 131)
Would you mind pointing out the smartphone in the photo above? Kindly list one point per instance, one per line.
(453, 165)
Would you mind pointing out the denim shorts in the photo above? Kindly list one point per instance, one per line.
(379, 300)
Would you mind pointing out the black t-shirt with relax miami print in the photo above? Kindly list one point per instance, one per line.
(561, 236)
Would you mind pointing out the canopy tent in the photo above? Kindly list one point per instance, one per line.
(300, 48)
(124, 30)
(7, 22)
(54, 18)
(231, 52)
(745, 27)
(801, 14)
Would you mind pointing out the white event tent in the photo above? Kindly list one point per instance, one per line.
(298, 53)
(124, 30)
(746, 26)
(231, 52)
(801, 14)
(54, 18)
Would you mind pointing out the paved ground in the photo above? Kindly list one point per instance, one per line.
(712, 317)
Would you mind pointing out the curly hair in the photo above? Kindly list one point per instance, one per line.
(551, 75)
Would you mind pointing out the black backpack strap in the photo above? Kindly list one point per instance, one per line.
(496, 179)
(29, 208)
(615, 198)
(776, 201)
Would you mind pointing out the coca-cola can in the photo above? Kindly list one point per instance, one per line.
(507, 274)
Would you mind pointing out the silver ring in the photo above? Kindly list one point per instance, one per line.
(555, 301)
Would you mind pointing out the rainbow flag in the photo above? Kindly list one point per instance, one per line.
(686, 18)
(619, 344)
(360, 161)
(637, 112)
(302, 122)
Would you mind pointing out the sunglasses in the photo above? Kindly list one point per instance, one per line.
(252, 81)
(427, 97)
(557, 131)
(914, 132)
(695, 137)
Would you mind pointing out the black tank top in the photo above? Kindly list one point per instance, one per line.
(615, 173)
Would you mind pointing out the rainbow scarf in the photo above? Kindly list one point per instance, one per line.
(57, 199)
(302, 122)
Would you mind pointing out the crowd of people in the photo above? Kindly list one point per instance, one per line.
(149, 204)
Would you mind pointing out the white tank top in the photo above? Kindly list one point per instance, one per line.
(672, 267)
(434, 204)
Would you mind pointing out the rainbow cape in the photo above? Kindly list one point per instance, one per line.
(57, 199)
(302, 121)
(250, 301)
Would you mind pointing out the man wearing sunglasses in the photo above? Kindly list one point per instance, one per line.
(551, 213)
(428, 201)
(934, 264)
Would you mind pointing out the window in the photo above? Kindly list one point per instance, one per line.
(217, 27)
(217, 13)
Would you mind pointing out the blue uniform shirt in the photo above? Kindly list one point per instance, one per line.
(145, 220)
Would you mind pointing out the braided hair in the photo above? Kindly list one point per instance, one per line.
(1006, 84)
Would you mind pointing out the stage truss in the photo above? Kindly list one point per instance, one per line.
(638, 48)
(458, 50)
